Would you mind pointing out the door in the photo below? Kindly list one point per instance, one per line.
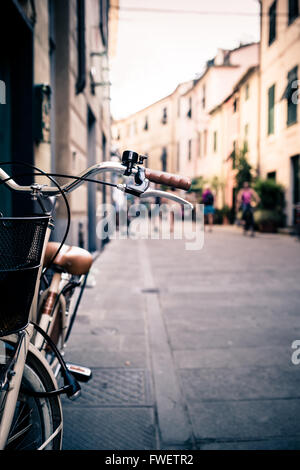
(296, 188)
(5, 133)
(91, 145)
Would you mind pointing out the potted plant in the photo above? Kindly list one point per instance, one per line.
(226, 212)
(269, 214)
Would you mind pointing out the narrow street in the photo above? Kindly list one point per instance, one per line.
(189, 349)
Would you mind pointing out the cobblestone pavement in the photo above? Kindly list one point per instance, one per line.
(189, 349)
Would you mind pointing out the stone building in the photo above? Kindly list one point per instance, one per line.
(54, 63)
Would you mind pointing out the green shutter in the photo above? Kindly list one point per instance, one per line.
(215, 141)
(292, 96)
(271, 105)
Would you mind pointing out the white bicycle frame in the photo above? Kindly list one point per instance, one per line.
(25, 337)
(23, 345)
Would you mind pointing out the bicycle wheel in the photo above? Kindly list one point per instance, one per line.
(35, 419)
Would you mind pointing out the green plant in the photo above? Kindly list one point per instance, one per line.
(218, 216)
(269, 215)
(271, 194)
(197, 185)
(266, 215)
(268, 220)
(226, 211)
(241, 164)
(244, 172)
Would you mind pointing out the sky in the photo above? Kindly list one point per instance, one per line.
(161, 43)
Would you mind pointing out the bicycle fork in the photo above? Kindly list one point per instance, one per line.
(10, 382)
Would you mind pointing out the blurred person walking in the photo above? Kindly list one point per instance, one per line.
(209, 210)
(247, 200)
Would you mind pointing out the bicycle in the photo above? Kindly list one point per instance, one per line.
(30, 407)
(70, 270)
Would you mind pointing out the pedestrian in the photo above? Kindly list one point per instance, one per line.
(209, 210)
(247, 199)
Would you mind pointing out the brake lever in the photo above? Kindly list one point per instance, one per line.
(173, 197)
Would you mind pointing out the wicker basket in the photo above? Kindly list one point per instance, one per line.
(21, 245)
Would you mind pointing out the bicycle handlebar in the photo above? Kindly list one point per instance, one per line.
(168, 179)
(159, 177)
(164, 194)
(68, 187)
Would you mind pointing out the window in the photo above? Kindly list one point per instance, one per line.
(164, 118)
(235, 104)
(271, 175)
(81, 54)
(215, 141)
(291, 95)
(189, 113)
(234, 155)
(295, 184)
(104, 21)
(271, 105)
(205, 142)
(163, 158)
(178, 107)
(246, 147)
(190, 149)
(203, 97)
(272, 23)
(146, 124)
(247, 91)
(293, 10)
(199, 144)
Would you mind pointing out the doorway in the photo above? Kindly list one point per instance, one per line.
(16, 123)
(295, 185)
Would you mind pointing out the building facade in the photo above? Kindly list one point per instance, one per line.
(214, 125)
(279, 98)
(236, 123)
(153, 131)
(175, 132)
(244, 103)
(57, 112)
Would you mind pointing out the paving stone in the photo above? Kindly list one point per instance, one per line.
(245, 419)
(109, 429)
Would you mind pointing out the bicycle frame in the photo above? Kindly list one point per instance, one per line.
(52, 303)
(13, 371)
(23, 346)
(13, 376)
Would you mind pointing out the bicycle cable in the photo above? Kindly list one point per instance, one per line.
(41, 172)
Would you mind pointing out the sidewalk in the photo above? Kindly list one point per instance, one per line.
(189, 349)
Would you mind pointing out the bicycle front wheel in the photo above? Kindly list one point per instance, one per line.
(37, 422)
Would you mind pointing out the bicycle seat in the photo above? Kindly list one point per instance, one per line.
(72, 259)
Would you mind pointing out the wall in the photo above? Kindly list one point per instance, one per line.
(277, 60)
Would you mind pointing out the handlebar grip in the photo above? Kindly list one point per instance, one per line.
(169, 179)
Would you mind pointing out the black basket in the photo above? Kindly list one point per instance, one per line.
(21, 245)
